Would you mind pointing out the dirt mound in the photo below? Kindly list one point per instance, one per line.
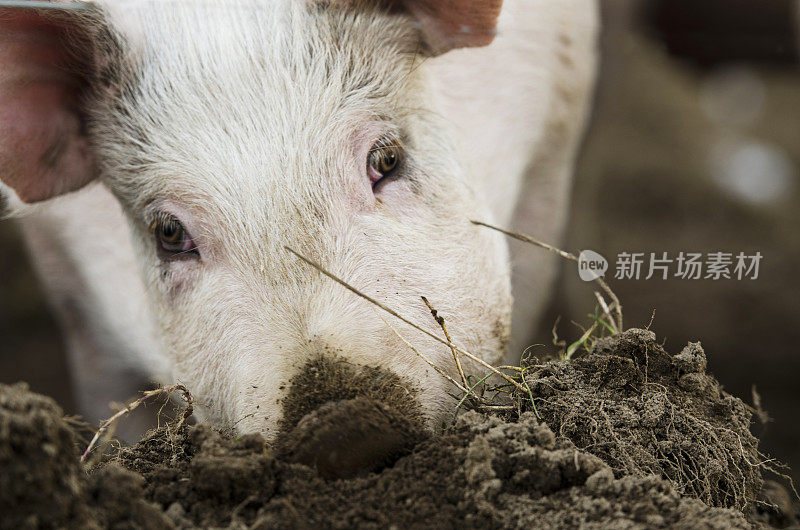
(482, 473)
(610, 444)
(39, 471)
(42, 484)
(645, 412)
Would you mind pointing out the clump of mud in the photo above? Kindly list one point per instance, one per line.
(626, 437)
(646, 412)
(42, 484)
(345, 420)
(38, 470)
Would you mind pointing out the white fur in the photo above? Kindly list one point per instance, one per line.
(249, 120)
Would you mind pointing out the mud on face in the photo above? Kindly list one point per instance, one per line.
(347, 420)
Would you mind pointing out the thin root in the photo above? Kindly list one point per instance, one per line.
(110, 422)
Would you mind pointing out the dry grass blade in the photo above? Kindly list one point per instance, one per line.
(566, 255)
(397, 315)
(133, 405)
(607, 312)
(440, 320)
(575, 345)
(427, 361)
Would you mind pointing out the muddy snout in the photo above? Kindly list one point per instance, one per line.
(346, 420)
(351, 437)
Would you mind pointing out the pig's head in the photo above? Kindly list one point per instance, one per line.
(231, 130)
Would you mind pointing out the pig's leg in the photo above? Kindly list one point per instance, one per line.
(82, 251)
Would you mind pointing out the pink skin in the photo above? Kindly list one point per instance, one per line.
(44, 153)
(449, 24)
(373, 175)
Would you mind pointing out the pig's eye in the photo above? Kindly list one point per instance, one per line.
(384, 160)
(172, 237)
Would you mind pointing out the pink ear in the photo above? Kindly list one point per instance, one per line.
(449, 24)
(44, 64)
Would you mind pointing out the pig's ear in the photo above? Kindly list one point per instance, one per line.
(448, 24)
(46, 64)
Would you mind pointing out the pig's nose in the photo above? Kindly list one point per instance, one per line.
(350, 437)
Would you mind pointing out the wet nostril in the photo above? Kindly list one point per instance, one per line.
(351, 437)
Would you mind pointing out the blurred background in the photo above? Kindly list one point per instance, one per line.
(693, 146)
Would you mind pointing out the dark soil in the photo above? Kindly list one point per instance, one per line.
(625, 437)
(643, 412)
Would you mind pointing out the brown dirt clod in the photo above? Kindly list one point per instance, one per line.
(645, 412)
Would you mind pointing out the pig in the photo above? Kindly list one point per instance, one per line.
(160, 158)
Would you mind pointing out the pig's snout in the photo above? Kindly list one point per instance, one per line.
(348, 420)
(351, 437)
